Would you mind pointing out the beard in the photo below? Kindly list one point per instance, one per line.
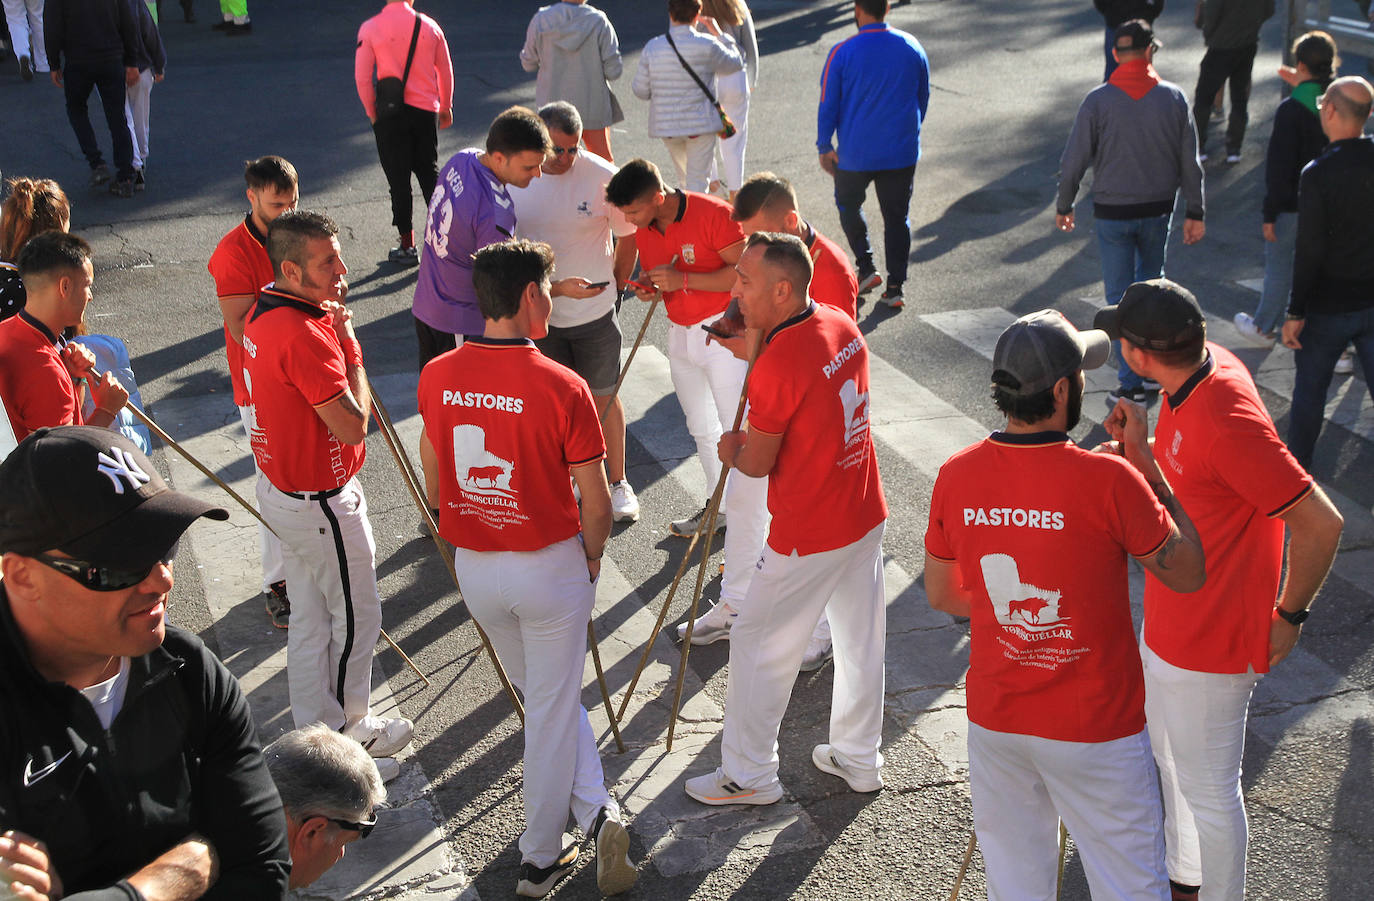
(1074, 406)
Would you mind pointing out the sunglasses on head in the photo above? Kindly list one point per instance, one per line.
(364, 829)
(102, 578)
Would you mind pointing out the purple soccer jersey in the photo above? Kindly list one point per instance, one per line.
(469, 210)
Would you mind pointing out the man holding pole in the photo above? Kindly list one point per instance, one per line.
(503, 425)
(311, 400)
(808, 433)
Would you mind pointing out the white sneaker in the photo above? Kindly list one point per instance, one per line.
(713, 625)
(388, 767)
(817, 652)
(1346, 364)
(827, 761)
(717, 789)
(686, 528)
(381, 737)
(614, 871)
(624, 504)
(1245, 324)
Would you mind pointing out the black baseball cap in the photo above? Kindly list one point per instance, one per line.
(1154, 315)
(91, 493)
(1041, 348)
(1135, 34)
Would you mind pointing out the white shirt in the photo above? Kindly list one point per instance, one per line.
(569, 212)
(108, 697)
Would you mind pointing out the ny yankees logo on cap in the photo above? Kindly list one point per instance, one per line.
(117, 465)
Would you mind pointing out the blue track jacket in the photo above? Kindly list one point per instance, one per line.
(875, 89)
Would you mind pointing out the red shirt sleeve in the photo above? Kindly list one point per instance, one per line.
(937, 541)
(1257, 465)
(773, 397)
(1141, 523)
(726, 232)
(584, 442)
(314, 364)
(232, 272)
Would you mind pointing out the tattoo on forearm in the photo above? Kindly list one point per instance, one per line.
(1166, 552)
(1171, 504)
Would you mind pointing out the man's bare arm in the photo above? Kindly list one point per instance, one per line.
(235, 309)
(1314, 534)
(182, 873)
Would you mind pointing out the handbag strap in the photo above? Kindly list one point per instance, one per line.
(690, 71)
(410, 57)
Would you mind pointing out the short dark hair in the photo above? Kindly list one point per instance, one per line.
(560, 115)
(1317, 51)
(52, 252)
(684, 11)
(1186, 356)
(501, 271)
(289, 232)
(635, 179)
(788, 253)
(764, 191)
(271, 172)
(875, 8)
(1028, 409)
(517, 130)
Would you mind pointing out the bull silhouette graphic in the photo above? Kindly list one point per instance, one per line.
(1010, 596)
(478, 469)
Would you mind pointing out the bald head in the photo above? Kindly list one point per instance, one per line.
(1345, 107)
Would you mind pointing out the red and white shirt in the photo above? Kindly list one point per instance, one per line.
(240, 268)
(1217, 445)
(1039, 530)
(702, 229)
(34, 383)
(833, 281)
(810, 385)
(294, 365)
(507, 424)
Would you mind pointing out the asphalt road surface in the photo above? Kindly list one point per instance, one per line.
(1007, 78)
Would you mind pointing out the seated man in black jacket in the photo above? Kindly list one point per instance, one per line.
(128, 764)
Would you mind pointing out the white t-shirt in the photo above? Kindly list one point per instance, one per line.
(569, 212)
(108, 697)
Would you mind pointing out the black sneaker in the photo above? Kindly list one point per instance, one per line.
(99, 175)
(536, 882)
(139, 183)
(26, 68)
(236, 30)
(892, 297)
(404, 256)
(1136, 395)
(278, 605)
(868, 280)
(223, 25)
(686, 528)
(123, 187)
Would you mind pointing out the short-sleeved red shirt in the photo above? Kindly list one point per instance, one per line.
(833, 281)
(295, 365)
(1216, 444)
(240, 268)
(810, 385)
(506, 424)
(1039, 530)
(702, 229)
(34, 383)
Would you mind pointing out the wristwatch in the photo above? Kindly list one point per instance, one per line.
(1296, 619)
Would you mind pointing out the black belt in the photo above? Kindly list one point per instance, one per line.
(313, 495)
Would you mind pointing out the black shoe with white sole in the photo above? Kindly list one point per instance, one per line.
(536, 882)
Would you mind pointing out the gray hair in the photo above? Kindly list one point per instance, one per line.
(560, 115)
(320, 773)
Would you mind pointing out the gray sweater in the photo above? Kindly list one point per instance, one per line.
(1141, 153)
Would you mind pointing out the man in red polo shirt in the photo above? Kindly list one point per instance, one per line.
(311, 400)
(504, 425)
(39, 369)
(1056, 701)
(1204, 651)
(240, 268)
(808, 433)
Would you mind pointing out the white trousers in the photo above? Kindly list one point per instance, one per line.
(1197, 728)
(708, 380)
(733, 92)
(693, 158)
(336, 613)
(1106, 794)
(769, 638)
(535, 606)
(269, 545)
(25, 18)
(137, 105)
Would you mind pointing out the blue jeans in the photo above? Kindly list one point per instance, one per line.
(1132, 250)
(1324, 337)
(1278, 274)
(893, 187)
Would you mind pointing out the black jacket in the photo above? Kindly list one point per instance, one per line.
(1231, 24)
(151, 53)
(1296, 140)
(1333, 268)
(1114, 12)
(180, 757)
(90, 32)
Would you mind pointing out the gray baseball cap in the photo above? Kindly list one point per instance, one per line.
(1039, 349)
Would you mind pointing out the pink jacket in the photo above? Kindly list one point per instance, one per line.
(383, 41)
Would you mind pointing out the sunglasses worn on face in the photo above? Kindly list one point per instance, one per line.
(101, 578)
(364, 829)
(570, 151)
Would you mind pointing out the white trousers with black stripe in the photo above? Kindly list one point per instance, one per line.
(336, 613)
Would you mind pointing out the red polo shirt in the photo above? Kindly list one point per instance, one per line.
(295, 365)
(34, 382)
(702, 229)
(810, 385)
(240, 268)
(507, 423)
(833, 281)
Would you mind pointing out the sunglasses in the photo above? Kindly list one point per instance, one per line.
(570, 151)
(364, 829)
(102, 578)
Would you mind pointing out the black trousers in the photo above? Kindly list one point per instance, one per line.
(1218, 66)
(106, 78)
(408, 144)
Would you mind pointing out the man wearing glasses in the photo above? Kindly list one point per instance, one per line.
(128, 763)
(591, 240)
(329, 788)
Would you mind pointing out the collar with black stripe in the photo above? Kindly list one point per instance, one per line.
(681, 209)
(253, 230)
(497, 342)
(795, 320)
(1185, 390)
(273, 298)
(54, 340)
(1029, 439)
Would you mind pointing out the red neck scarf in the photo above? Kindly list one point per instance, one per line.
(1136, 77)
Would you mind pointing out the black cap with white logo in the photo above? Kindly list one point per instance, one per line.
(91, 493)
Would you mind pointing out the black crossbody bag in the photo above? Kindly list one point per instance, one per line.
(391, 91)
(727, 128)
